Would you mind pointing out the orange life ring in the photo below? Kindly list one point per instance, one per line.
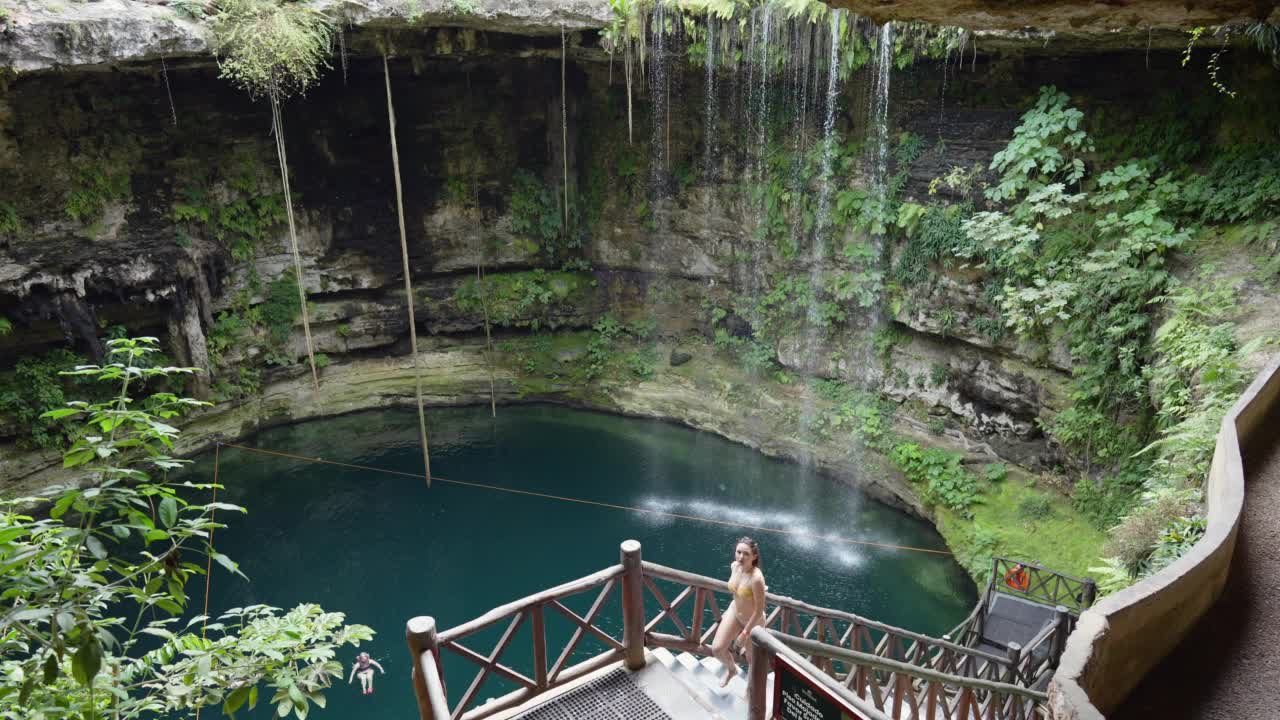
(1017, 578)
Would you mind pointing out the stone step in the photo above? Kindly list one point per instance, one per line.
(664, 656)
(702, 676)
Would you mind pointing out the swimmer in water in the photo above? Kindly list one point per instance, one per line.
(363, 668)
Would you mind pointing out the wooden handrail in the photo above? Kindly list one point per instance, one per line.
(572, 587)
(812, 647)
(1067, 590)
(707, 583)
(771, 640)
(944, 669)
(1037, 566)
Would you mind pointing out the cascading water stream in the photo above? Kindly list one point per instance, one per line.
(878, 128)
(879, 117)
(821, 240)
(659, 79)
(710, 105)
(822, 219)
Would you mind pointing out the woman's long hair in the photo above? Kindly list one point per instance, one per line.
(755, 549)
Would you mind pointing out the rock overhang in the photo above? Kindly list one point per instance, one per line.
(101, 34)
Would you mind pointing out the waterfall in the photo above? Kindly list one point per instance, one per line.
(822, 220)
(710, 105)
(659, 79)
(879, 117)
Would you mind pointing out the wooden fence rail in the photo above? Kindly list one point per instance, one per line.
(1046, 586)
(883, 688)
(793, 617)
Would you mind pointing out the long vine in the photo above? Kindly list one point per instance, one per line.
(275, 50)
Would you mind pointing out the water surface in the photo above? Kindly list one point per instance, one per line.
(383, 548)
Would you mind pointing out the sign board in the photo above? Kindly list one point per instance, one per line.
(797, 697)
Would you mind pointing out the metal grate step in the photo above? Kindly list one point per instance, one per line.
(613, 696)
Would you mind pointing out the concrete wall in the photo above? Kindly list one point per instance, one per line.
(1119, 640)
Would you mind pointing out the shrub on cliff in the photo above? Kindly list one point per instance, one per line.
(271, 48)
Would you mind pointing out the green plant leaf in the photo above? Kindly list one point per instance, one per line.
(87, 661)
(235, 700)
(168, 512)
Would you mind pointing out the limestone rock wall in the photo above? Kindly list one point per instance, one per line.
(109, 178)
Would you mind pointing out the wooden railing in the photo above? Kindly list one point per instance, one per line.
(864, 654)
(1039, 658)
(1045, 586)
(883, 689)
(698, 595)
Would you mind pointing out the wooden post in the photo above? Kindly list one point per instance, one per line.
(539, 648)
(632, 605)
(1015, 659)
(1090, 593)
(420, 633)
(1059, 634)
(757, 679)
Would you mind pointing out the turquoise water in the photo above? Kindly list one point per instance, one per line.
(383, 548)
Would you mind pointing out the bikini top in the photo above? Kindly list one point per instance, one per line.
(739, 588)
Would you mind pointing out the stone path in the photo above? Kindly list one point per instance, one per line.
(1228, 667)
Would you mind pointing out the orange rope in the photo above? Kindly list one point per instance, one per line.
(208, 568)
(596, 503)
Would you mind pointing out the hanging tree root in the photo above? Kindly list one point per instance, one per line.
(293, 237)
(488, 339)
(408, 285)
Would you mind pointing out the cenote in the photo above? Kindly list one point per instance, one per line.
(383, 547)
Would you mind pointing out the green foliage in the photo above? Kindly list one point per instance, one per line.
(94, 184)
(1104, 503)
(1175, 540)
(885, 340)
(1241, 182)
(1111, 576)
(535, 213)
(754, 355)
(266, 327)
(269, 47)
(1196, 378)
(1090, 275)
(1046, 148)
(242, 216)
(933, 233)
(945, 481)
(10, 222)
(465, 7)
(34, 385)
(996, 472)
(344, 330)
(189, 9)
(605, 349)
(6, 327)
(533, 298)
(1035, 507)
(642, 362)
(865, 416)
(1265, 38)
(95, 589)
(276, 315)
(1135, 538)
(977, 545)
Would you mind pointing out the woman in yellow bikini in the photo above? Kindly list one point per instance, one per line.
(746, 582)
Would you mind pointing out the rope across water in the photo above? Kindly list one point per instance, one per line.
(582, 501)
